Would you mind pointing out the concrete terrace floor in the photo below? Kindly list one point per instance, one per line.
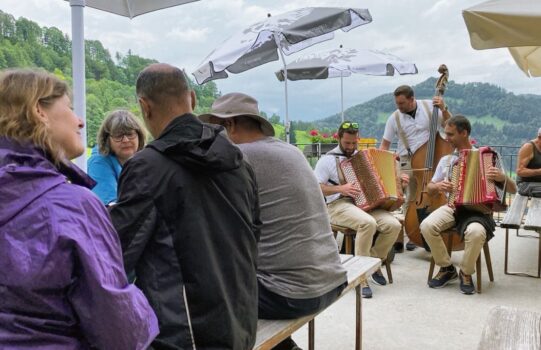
(409, 315)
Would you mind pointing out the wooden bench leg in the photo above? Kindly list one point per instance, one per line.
(311, 332)
(359, 319)
(349, 244)
(431, 269)
(388, 269)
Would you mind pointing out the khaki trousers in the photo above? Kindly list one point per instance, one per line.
(442, 219)
(344, 213)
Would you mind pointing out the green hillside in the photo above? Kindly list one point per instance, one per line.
(498, 117)
(110, 78)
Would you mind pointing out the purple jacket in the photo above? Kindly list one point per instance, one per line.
(62, 281)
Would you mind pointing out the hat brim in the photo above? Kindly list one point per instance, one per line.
(266, 126)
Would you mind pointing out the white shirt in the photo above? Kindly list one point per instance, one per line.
(326, 171)
(417, 129)
(442, 170)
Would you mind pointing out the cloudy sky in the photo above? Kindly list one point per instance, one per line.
(426, 32)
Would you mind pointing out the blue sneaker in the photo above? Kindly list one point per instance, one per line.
(466, 284)
(444, 276)
(366, 292)
(378, 278)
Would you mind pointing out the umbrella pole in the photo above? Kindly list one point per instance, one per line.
(342, 93)
(286, 124)
(78, 69)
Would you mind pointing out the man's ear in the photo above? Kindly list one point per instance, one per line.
(145, 107)
(194, 99)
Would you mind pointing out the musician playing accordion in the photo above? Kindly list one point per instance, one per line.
(474, 225)
(342, 210)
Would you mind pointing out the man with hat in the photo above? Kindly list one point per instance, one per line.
(298, 267)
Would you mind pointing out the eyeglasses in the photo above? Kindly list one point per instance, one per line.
(119, 137)
(349, 125)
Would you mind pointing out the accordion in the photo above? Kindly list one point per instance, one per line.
(374, 172)
(471, 188)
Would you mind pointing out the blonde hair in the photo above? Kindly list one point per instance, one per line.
(21, 90)
(118, 122)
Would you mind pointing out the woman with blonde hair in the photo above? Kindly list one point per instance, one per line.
(62, 280)
(119, 137)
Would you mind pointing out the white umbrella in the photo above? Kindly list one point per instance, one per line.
(127, 8)
(515, 24)
(342, 63)
(278, 35)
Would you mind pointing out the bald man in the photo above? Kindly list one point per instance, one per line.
(188, 220)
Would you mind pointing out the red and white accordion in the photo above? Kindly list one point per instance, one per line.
(374, 172)
(471, 188)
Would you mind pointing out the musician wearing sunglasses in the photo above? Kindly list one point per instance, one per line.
(343, 211)
(475, 227)
(119, 137)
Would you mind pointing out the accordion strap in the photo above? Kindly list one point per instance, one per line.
(341, 177)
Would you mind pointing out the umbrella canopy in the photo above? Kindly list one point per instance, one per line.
(342, 63)
(269, 40)
(515, 24)
(127, 8)
(291, 32)
(133, 8)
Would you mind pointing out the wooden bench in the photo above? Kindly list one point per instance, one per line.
(272, 332)
(510, 329)
(513, 219)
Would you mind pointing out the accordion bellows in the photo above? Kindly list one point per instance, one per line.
(374, 172)
(471, 188)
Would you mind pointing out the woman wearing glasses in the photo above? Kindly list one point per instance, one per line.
(119, 137)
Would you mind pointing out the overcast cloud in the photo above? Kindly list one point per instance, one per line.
(425, 32)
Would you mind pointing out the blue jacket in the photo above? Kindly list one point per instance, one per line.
(105, 170)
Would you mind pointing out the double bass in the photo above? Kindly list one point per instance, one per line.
(423, 164)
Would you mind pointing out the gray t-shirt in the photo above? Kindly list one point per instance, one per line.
(298, 257)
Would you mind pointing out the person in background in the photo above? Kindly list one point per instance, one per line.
(343, 211)
(298, 266)
(119, 137)
(62, 281)
(474, 227)
(410, 126)
(529, 161)
(188, 220)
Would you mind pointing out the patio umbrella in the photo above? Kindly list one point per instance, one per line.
(127, 8)
(269, 40)
(342, 63)
(515, 24)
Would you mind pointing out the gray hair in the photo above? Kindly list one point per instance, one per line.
(118, 122)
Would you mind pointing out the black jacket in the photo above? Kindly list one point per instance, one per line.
(188, 220)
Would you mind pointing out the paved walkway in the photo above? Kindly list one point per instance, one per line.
(409, 315)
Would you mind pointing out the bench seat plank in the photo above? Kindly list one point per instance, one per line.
(509, 328)
(272, 332)
(513, 217)
(533, 218)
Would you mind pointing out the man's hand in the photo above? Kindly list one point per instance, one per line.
(348, 190)
(495, 174)
(444, 186)
(438, 102)
(405, 179)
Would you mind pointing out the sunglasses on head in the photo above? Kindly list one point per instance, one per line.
(349, 125)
